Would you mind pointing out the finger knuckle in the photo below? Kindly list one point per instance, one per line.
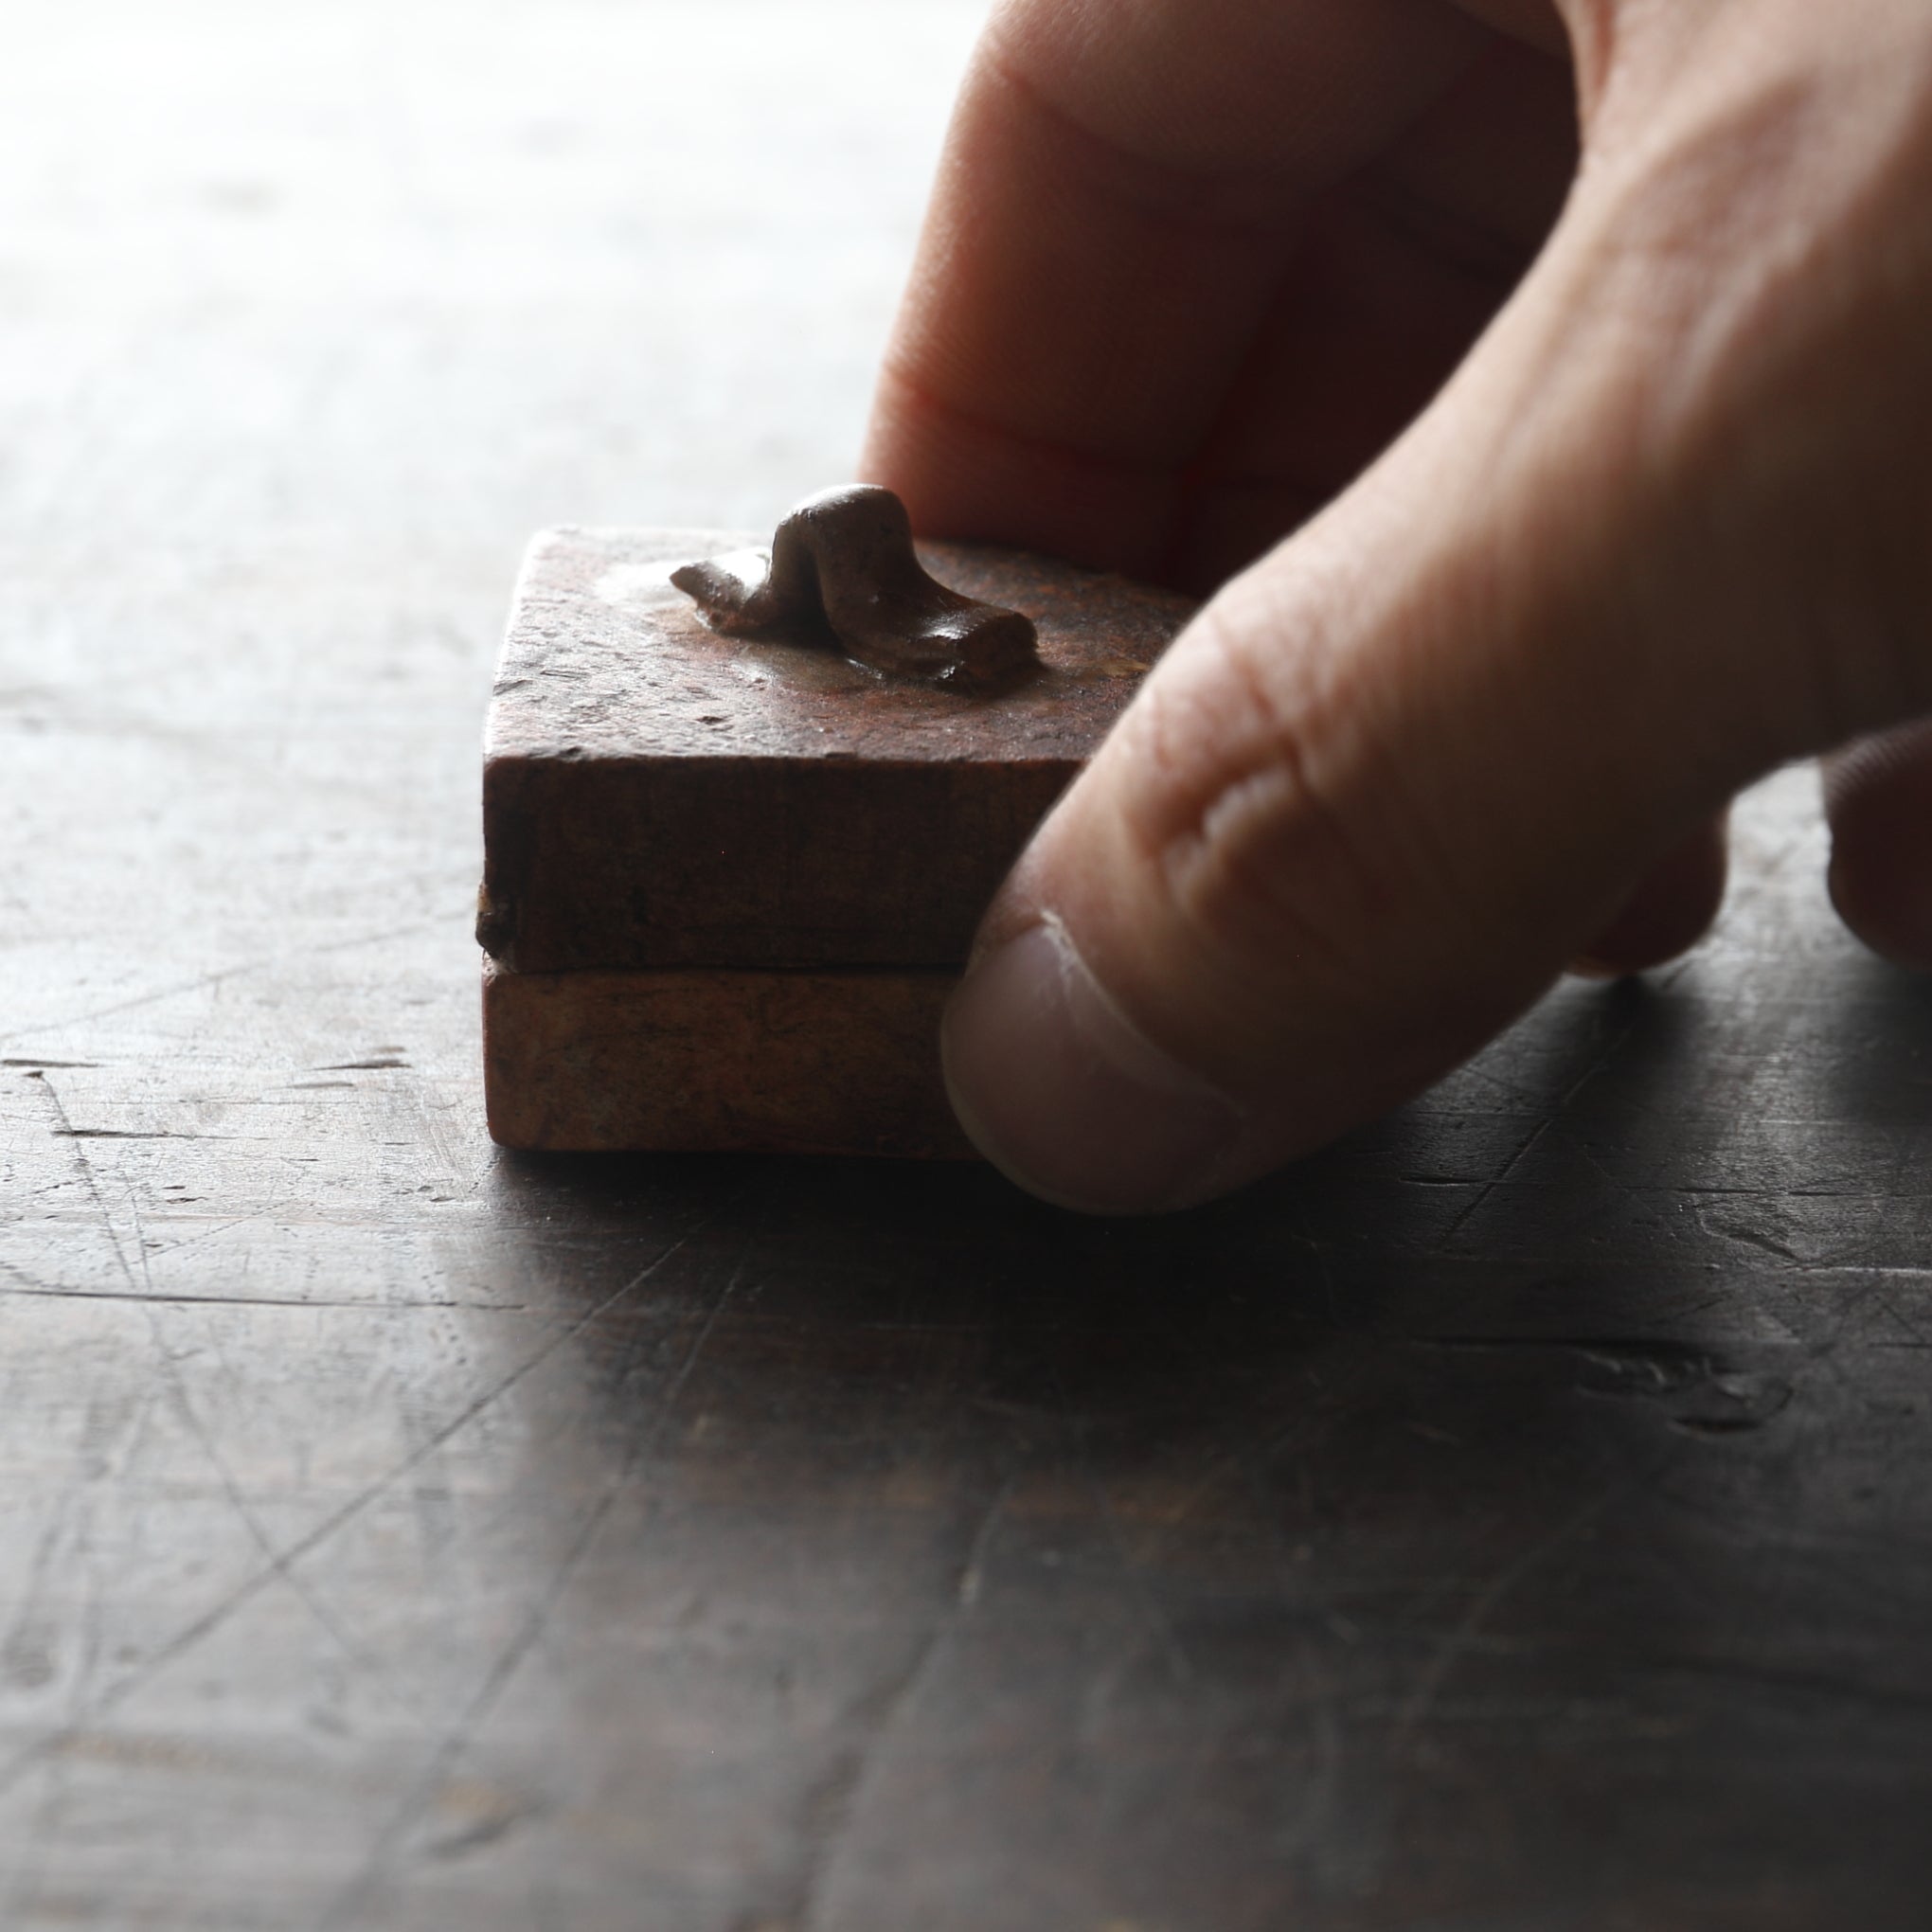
(1260, 815)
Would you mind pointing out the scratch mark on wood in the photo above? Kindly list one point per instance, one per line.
(838, 1800)
(1154, 1613)
(192, 1417)
(65, 1129)
(251, 1586)
(348, 1906)
(1461, 1639)
(31, 1290)
(1535, 1135)
(202, 982)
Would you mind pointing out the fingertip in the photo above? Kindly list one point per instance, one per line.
(1897, 932)
(1675, 905)
(1878, 798)
(1059, 1090)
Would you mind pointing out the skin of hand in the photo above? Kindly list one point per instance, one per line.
(1548, 392)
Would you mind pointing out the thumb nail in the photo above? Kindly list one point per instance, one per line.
(1063, 1093)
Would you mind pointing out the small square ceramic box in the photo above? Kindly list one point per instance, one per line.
(728, 882)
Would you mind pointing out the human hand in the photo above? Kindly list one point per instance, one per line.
(1610, 485)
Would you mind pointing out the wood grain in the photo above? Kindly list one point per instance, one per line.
(1516, 1518)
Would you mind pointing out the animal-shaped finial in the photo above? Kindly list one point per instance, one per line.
(843, 561)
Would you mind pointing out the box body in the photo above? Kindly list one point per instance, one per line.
(710, 1060)
(674, 821)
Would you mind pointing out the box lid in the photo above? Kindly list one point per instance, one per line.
(655, 793)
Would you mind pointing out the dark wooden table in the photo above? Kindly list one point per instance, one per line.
(1519, 1517)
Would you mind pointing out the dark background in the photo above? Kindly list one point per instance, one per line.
(1516, 1518)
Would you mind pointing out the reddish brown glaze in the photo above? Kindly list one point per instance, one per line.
(843, 569)
(657, 794)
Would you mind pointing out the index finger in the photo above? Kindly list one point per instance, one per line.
(1114, 214)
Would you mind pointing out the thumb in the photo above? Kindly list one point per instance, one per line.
(1399, 773)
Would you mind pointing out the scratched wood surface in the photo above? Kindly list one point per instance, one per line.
(1516, 1518)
